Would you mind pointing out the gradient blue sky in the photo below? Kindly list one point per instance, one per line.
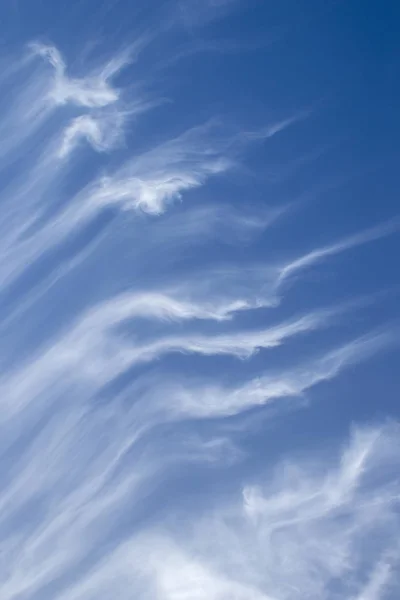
(199, 301)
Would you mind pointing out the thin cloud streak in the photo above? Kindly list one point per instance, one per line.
(94, 353)
(271, 130)
(320, 254)
(212, 401)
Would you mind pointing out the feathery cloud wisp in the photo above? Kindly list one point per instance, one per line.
(319, 254)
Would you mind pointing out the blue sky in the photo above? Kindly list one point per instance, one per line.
(199, 301)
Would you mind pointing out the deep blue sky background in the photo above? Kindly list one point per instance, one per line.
(155, 443)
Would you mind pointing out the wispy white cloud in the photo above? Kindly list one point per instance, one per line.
(379, 580)
(269, 131)
(159, 306)
(303, 533)
(83, 465)
(265, 282)
(76, 480)
(101, 133)
(25, 113)
(187, 400)
(193, 13)
(148, 183)
(33, 122)
(320, 254)
(91, 91)
(94, 349)
(153, 180)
